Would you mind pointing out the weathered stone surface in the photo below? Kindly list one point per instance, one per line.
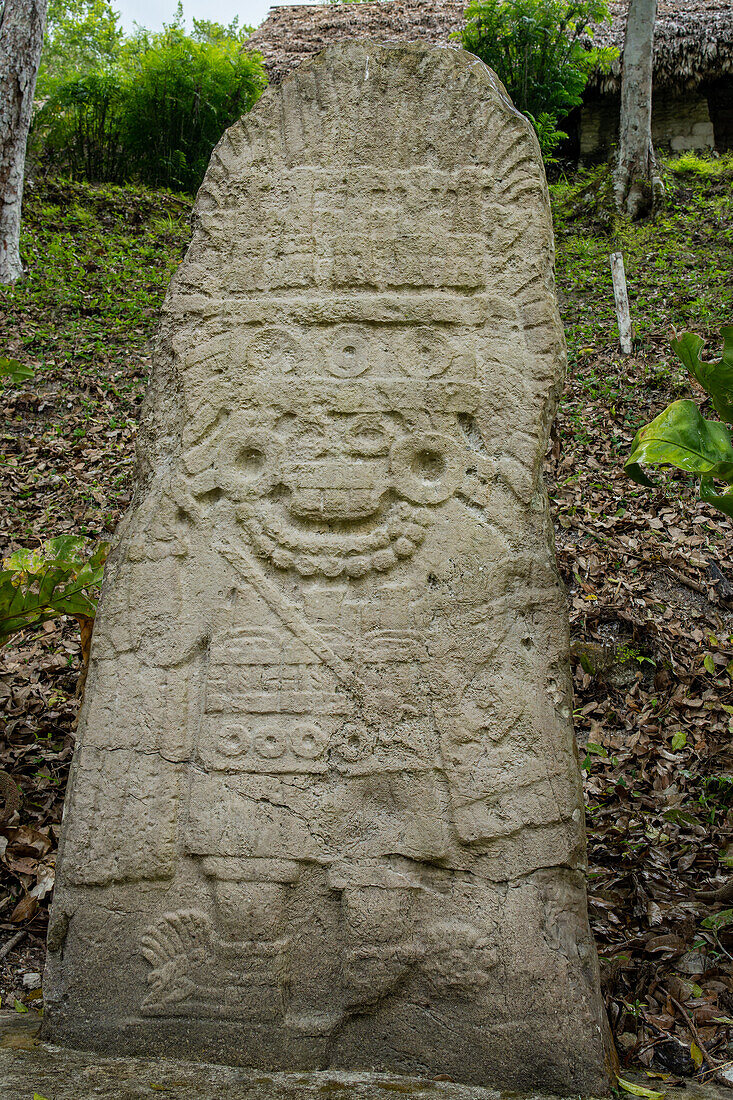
(325, 810)
(28, 1066)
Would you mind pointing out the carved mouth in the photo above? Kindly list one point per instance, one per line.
(348, 545)
(334, 505)
(334, 490)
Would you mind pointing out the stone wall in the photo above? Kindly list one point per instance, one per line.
(679, 123)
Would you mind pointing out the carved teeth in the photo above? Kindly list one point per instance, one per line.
(283, 558)
(412, 531)
(305, 566)
(331, 567)
(403, 548)
(331, 555)
(383, 560)
(356, 567)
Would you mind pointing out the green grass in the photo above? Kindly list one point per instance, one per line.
(678, 271)
(709, 167)
(99, 260)
(678, 264)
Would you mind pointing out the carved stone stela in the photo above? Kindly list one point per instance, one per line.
(325, 808)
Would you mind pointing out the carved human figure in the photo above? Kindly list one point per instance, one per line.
(326, 808)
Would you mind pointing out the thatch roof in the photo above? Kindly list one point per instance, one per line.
(693, 38)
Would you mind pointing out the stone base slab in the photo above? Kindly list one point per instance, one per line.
(29, 1067)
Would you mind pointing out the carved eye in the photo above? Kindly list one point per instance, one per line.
(249, 460)
(429, 465)
(427, 469)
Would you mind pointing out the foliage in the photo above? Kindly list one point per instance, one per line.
(204, 30)
(80, 126)
(81, 36)
(548, 135)
(677, 270)
(99, 261)
(681, 437)
(57, 578)
(706, 167)
(148, 108)
(542, 51)
(179, 97)
(14, 370)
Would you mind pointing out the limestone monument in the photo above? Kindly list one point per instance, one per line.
(326, 809)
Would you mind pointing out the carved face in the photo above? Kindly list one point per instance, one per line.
(342, 447)
(328, 492)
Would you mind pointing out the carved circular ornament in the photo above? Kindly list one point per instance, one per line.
(250, 460)
(427, 469)
(274, 350)
(349, 352)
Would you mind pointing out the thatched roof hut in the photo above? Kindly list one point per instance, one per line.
(693, 39)
(693, 59)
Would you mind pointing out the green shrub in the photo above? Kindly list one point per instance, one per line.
(155, 114)
(180, 96)
(58, 578)
(542, 51)
(80, 127)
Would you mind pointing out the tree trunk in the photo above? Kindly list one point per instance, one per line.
(637, 184)
(21, 40)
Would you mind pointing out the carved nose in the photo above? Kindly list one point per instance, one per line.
(336, 489)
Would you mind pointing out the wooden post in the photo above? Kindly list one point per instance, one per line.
(622, 302)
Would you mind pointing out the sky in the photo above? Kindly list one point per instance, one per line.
(153, 13)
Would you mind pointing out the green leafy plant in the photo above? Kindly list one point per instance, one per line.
(81, 35)
(542, 50)
(79, 127)
(152, 108)
(60, 577)
(681, 437)
(14, 371)
(704, 167)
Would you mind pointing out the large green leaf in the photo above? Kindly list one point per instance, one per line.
(681, 437)
(58, 578)
(722, 501)
(716, 378)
